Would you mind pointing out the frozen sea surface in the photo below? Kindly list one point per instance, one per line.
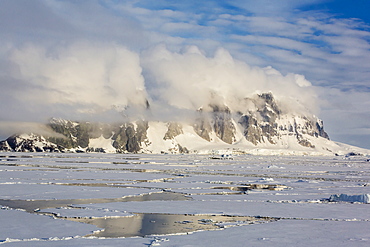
(182, 200)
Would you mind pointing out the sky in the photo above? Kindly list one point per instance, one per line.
(95, 59)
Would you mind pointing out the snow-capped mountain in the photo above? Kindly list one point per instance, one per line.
(262, 128)
(29, 143)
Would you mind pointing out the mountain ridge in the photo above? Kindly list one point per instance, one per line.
(261, 126)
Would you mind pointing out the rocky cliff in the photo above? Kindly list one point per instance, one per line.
(261, 123)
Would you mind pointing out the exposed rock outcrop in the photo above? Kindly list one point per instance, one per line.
(218, 120)
(127, 137)
(222, 123)
(202, 125)
(267, 122)
(174, 129)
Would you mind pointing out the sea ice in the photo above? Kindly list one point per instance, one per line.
(304, 215)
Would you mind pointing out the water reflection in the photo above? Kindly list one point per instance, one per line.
(141, 225)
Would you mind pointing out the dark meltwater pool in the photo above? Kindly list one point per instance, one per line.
(144, 224)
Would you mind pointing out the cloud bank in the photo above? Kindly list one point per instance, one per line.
(106, 81)
(85, 76)
(191, 80)
(90, 59)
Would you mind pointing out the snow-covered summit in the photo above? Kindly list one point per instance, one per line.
(28, 143)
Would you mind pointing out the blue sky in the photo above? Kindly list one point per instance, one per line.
(326, 41)
(343, 9)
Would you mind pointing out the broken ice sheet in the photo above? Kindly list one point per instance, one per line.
(310, 179)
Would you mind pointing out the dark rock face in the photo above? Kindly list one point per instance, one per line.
(222, 123)
(202, 125)
(263, 124)
(182, 150)
(260, 125)
(4, 146)
(74, 134)
(141, 131)
(127, 137)
(252, 132)
(95, 150)
(177, 149)
(126, 140)
(319, 129)
(174, 129)
(218, 120)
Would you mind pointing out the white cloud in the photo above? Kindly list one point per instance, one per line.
(8, 128)
(88, 77)
(191, 80)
